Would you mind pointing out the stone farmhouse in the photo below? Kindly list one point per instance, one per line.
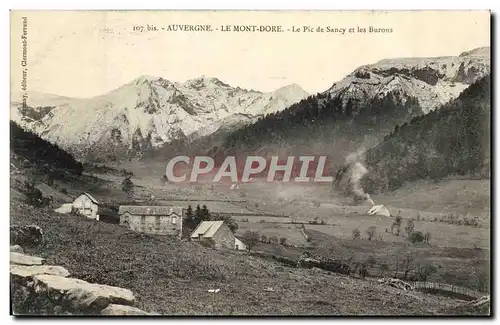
(156, 220)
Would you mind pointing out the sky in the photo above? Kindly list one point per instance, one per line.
(88, 53)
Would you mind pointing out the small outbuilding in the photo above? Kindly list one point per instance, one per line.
(379, 210)
(87, 205)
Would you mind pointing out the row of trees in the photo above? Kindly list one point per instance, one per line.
(412, 235)
(252, 238)
(200, 214)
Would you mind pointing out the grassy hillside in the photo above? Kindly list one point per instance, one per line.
(173, 277)
(453, 140)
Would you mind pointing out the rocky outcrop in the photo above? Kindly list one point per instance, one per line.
(18, 258)
(28, 272)
(122, 310)
(37, 288)
(431, 81)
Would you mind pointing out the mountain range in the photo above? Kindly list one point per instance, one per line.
(205, 115)
(145, 114)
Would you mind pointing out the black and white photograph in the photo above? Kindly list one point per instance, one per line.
(250, 163)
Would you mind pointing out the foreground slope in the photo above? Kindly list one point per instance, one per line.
(173, 277)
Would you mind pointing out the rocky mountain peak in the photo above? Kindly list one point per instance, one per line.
(432, 81)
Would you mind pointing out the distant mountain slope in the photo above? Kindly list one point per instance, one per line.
(144, 114)
(452, 140)
(39, 152)
(358, 111)
(432, 81)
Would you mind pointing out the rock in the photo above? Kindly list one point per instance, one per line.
(30, 235)
(82, 300)
(121, 310)
(16, 249)
(18, 258)
(81, 294)
(27, 272)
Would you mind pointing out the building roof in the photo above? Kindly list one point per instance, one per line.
(379, 210)
(207, 229)
(90, 197)
(150, 210)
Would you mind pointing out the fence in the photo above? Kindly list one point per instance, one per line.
(447, 288)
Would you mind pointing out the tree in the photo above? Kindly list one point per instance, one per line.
(356, 234)
(396, 225)
(408, 264)
(427, 237)
(370, 262)
(383, 269)
(128, 186)
(425, 271)
(283, 241)
(371, 232)
(410, 226)
(205, 214)
(190, 221)
(250, 238)
(197, 215)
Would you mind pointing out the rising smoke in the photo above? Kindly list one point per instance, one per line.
(349, 177)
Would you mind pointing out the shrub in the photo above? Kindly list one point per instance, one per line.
(416, 237)
(356, 233)
(273, 240)
(371, 232)
(283, 241)
(371, 260)
(383, 269)
(410, 226)
(250, 238)
(423, 272)
(314, 221)
(263, 239)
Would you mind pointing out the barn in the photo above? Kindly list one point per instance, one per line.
(156, 220)
(216, 234)
(87, 205)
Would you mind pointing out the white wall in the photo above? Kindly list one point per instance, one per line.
(86, 206)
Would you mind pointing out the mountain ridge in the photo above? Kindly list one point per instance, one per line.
(144, 113)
